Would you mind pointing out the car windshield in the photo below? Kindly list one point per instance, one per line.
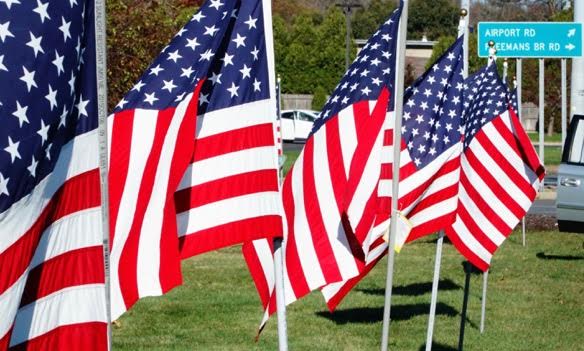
(288, 115)
(305, 117)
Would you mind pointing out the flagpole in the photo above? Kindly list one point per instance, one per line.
(462, 30)
(278, 250)
(519, 77)
(398, 111)
(101, 78)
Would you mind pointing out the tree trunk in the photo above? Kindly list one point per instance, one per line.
(550, 128)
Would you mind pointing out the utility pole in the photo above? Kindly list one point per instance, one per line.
(348, 7)
(577, 100)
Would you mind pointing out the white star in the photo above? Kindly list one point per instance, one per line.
(245, 71)
(415, 131)
(138, 86)
(179, 97)
(4, 185)
(386, 37)
(44, 132)
(451, 56)
(48, 152)
(240, 41)
(452, 114)
(4, 32)
(387, 70)
(174, 56)
(192, 43)
(206, 56)
(35, 44)
(255, 53)
(375, 62)
(63, 117)
(424, 105)
(432, 151)
(364, 73)
(422, 148)
(12, 149)
(345, 100)
(420, 119)
(10, 2)
(203, 99)
(168, 85)
(448, 68)
(32, 167)
(65, 29)
(256, 85)
(216, 78)
(72, 83)
(181, 32)
(58, 62)
(82, 107)
(227, 59)
(446, 140)
(410, 103)
(366, 91)
(2, 67)
(233, 90)
(431, 80)
(216, 4)
(428, 92)
(28, 78)
(407, 116)
(41, 9)
(151, 98)
(354, 86)
(72, 2)
(417, 161)
(156, 70)
(121, 104)
(186, 72)
(251, 22)
(52, 97)
(211, 30)
(198, 16)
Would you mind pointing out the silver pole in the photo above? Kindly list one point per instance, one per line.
(398, 98)
(462, 30)
(278, 250)
(484, 300)
(505, 70)
(519, 74)
(577, 82)
(435, 282)
(101, 75)
(541, 109)
(564, 102)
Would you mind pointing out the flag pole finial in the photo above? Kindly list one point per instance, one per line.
(463, 12)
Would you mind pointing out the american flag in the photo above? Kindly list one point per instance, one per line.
(500, 171)
(52, 293)
(513, 101)
(334, 176)
(429, 162)
(200, 122)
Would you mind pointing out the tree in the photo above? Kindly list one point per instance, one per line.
(432, 18)
(367, 19)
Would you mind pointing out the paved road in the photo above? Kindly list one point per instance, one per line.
(293, 146)
(545, 207)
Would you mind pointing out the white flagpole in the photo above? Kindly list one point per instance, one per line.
(278, 249)
(519, 77)
(398, 111)
(505, 71)
(101, 75)
(462, 30)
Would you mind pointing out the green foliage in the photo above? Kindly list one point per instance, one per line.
(137, 30)
(367, 19)
(432, 18)
(319, 98)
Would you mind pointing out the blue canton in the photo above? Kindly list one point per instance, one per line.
(47, 95)
(223, 43)
(372, 70)
(512, 97)
(433, 108)
(485, 100)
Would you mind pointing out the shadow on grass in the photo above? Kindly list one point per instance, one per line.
(543, 256)
(438, 347)
(375, 314)
(415, 289)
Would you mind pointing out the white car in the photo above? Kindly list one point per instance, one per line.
(297, 124)
(570, 200)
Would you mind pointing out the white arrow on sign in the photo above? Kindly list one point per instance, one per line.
(571, 32)
(570, 47)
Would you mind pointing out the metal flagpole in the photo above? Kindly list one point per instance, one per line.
(101, 75)
(467, 270)
(541, 110)
(278, 250)
(462, 29)
(519, 75)
(505, 71)
(564, 102)
(484, 300)
(398, 98)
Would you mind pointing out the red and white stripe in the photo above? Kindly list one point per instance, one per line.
(52, 292)
(500, 176)
(319, 246)
(230, 193)
(149, 152)
(427, 197)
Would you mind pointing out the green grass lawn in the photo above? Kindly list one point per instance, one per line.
(535, 302)
(554, 138)
(552, 155)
